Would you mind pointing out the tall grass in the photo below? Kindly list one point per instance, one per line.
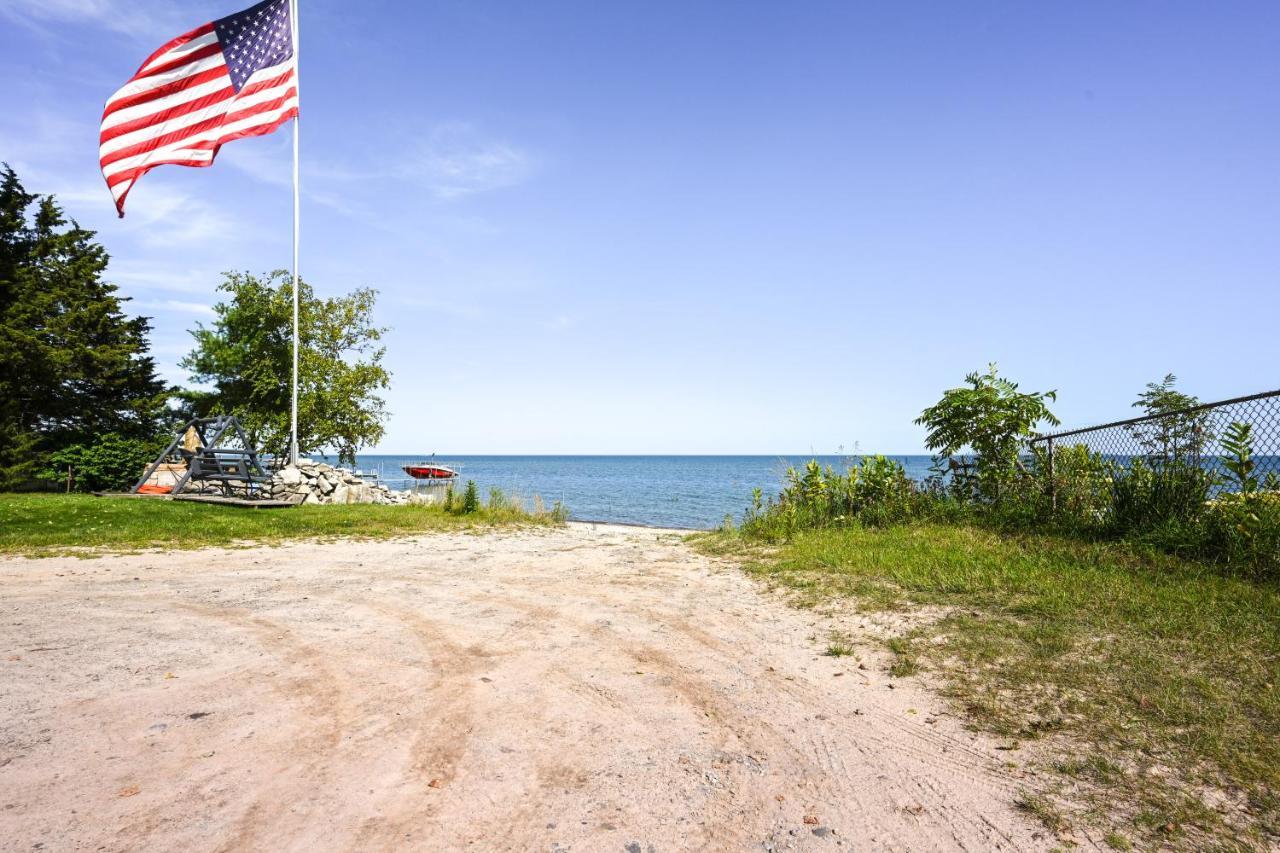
(876, 491)
(1173, 505)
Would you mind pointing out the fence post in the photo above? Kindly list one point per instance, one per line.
(1053, 484)
(68, 479)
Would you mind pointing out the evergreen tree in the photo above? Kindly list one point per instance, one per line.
(73, 366)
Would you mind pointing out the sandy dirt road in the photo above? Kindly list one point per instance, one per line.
(589, 689)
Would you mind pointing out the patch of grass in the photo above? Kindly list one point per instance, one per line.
(839, 647)
(1158, 678)
(45, 525)
(905, 662)
(1043, 810)
(1116, 841)
(1091, 768)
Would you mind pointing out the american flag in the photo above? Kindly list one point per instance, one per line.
(231, 78)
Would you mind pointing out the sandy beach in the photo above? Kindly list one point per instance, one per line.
(590, 688)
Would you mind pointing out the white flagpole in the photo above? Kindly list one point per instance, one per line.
(293, 408)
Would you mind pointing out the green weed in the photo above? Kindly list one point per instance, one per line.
(839, 647)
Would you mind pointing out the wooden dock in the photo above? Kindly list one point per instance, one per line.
(220, 500)
(245, 503)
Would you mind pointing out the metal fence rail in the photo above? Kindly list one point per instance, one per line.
(1195, 435)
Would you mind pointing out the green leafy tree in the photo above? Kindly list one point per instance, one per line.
(245, 360)
(1177, 433)
(991, 417)
(73, 366)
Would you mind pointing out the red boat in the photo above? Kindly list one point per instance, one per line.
(430, 471)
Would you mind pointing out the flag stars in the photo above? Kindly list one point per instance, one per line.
(254, 39)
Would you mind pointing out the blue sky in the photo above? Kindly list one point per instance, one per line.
(716, 228)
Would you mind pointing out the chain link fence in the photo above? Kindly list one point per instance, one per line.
(1212, 436)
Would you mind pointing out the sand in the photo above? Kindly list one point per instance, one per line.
(593, 688)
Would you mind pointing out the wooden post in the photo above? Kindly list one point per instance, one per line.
(1053, 484)
(68, 479)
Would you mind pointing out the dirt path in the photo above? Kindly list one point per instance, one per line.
(586, 689)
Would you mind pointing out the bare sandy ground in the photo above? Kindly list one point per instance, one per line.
(588, 689)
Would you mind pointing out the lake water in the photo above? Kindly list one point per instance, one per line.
(660, 491)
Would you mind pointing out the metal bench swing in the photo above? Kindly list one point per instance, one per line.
(221, 456)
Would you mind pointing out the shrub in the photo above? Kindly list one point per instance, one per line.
(501, 506)
(559, 512)
(1078, 492)
(498, 500)
(876, 491)
(1243, 530)
(1158, 496)
(883, 492)
(1172, 497)
(113, 463)
(992, 417)
(470, 498)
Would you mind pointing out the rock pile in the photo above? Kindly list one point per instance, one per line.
(316, 483)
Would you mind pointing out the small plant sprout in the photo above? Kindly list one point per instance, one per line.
(839, 647)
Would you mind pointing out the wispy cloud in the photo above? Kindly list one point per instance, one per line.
(458, 310)
(172, 350)
(560, 323)
(268, 159)
(173, 218)
(48, 151)
(169, 218)
(119, 16)
(39, 135)
(202, 308)
(162, 278)
(457, 160)
(270, 162)
(452, 160)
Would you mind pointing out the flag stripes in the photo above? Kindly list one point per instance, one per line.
(182, 104)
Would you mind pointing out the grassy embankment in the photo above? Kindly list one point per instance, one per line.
(46, 525)
(1153, 682)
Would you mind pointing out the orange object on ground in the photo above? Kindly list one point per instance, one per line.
(154, 490)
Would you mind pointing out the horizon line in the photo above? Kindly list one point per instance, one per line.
(808, 453)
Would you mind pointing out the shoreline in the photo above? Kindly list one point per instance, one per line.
(637, 525)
